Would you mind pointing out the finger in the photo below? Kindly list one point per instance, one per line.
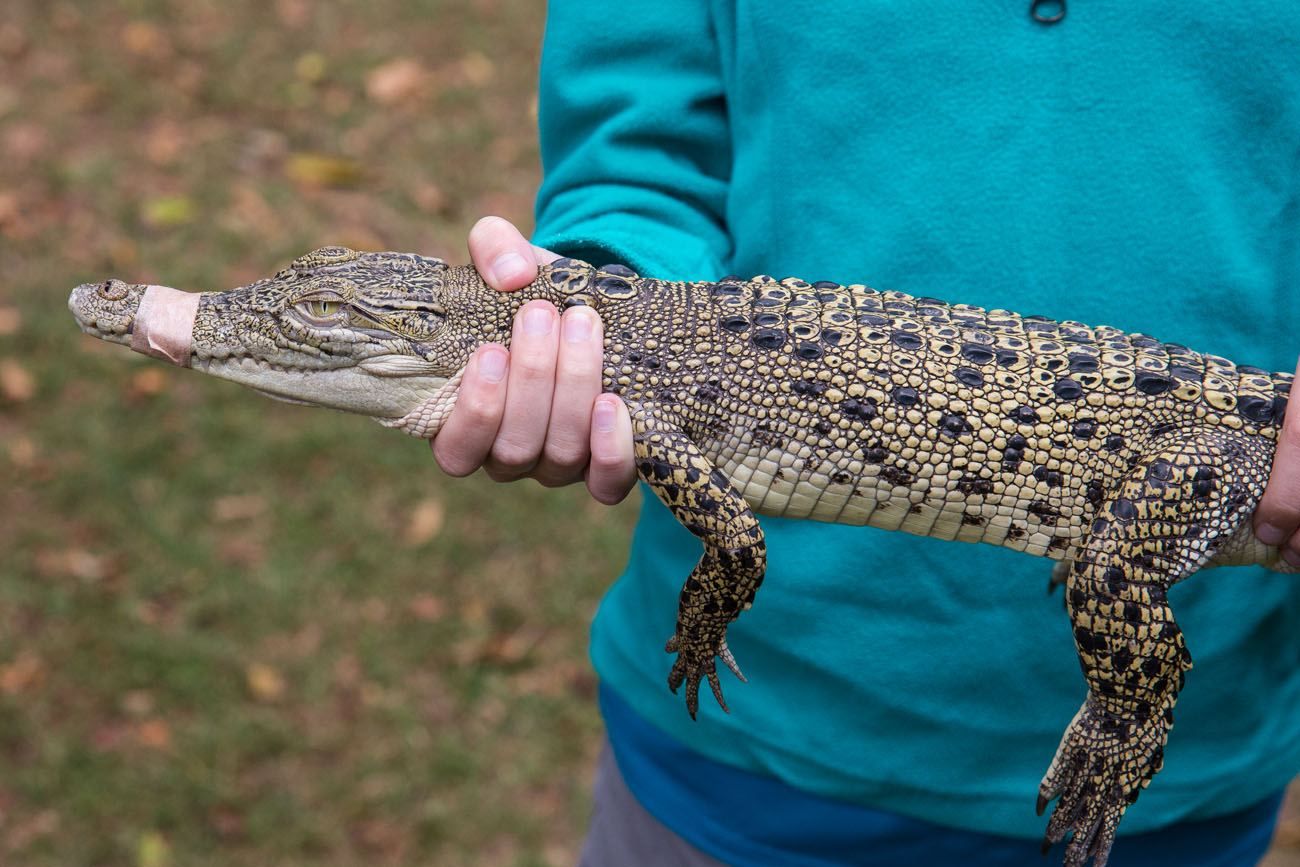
(467, 436)
(503, 256)
(1278, 513)
(577, 383)
(611, 472)
(534, 344)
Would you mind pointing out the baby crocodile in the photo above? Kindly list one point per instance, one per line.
(1131, 462)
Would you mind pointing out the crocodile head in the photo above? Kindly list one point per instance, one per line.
(367, 333)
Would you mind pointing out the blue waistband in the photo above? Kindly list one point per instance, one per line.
(747, 819)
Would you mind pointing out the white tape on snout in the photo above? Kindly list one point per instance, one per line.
(164, 324)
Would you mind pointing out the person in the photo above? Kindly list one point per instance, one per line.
(1121, 165)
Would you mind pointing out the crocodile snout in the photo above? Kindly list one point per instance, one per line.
(107, 310)
(154, 320)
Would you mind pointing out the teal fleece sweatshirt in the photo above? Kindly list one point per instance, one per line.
(1135, 165)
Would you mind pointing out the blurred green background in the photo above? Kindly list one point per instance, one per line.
(234, 631)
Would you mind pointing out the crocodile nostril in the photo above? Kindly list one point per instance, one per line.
(113, 290)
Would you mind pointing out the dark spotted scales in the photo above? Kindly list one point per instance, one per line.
(1133, 462)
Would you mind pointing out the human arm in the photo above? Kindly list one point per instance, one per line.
(637, 154)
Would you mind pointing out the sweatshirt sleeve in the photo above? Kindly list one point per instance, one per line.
(635, 145)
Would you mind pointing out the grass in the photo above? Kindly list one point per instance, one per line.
(233, 631)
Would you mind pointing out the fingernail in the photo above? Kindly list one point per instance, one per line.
(577, 325)
(1269, 535)
(602, 417)
(492, 365)
(509, 268)
(1291, 556)
(537, 320)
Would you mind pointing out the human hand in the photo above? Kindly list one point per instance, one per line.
(536, 411)
(1277, 517)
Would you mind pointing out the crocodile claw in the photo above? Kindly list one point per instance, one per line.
(691, 669)
(724, 653)
(1099, 770)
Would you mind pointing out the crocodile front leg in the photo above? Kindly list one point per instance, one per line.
(1163, 521)
(727, 576)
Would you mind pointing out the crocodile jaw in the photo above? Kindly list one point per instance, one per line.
(159, 321)
(352, 389)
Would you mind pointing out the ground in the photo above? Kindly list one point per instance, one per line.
(238, 632)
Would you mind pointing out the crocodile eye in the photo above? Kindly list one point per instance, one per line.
(322, 309)
(323, 312)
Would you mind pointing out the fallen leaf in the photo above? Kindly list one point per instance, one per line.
(249, 212)
(374, 695)
(107, 737)
(189, 76)
(149, 382)
(27, 670)
(10, 319)
(396, 80)
(22, 451)
(347, 671)
(477, 68)
(165, 142)
(26, 141)
(430, 198)
(237, 507)
(81, 96)
(10, 215)
(80, 563)
(137, 703)
(293, 13)
(261, 150)
(427, 607)
(154, 734)
(425, 522)
(359, 238)
(264, 682)
(13, 41)
(84, 565)
(336, 100)
(153, 850)
(153, 612)
(374, 610)
(144, 39)
(322, 170)
(123, 253)
(26, 832)
(16, 384)
(227, 822)
(242, 550)
(167, 212)
(511, 648)
(310, 67)
(381, 837)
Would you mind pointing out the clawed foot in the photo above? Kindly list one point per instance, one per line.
(1101, 766)
(694, 664)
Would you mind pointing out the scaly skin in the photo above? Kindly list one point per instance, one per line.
(1131, 462)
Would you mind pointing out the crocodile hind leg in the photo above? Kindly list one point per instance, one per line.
(727, 576)
(1162, 522)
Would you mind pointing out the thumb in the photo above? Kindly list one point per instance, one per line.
(503, 255)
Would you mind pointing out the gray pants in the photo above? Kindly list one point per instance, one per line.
(623, 834)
